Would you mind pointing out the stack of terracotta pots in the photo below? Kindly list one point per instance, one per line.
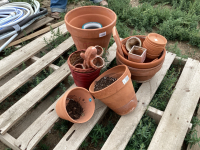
(154, 43)
(141, 72)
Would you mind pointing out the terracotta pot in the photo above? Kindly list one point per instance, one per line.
(99, 50)
(153, 50)
(82, 77)
(157, 39)
(133, 41)
(84, 98)
(147, 65)
(120, 95)
(137, 54)
(150, 56)
(83, 38)
(142, 75)
(97, 62)
(125, 52)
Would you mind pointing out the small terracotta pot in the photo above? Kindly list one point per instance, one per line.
(137, 54)
(133, 41)
(99, 50)
(150, 56)
(83, 38)
(142, 75)
(82, 77)
(153, 50)
(157, 39)
(120, 95)
(83, 97)
(97, 62)
(79, 66)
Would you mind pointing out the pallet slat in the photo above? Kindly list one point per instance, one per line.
(13, 114)
(127, 124)
(157, 115)
(9, 141)
(24, 53)
(35, 132)
(179, 111)
(16, 82)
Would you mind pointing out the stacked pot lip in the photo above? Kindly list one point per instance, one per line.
(154, 43)
(140, 71)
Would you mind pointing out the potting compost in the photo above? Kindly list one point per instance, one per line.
(74, 109)
(104, 82)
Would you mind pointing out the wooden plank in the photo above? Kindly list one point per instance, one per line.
(16, 82)
(2, 2)
(42, 31)
(8, 140)
(19, 109)
(35, 132)
(78, 132)
(52, 66)
(157, 114)
(179, 111)
(120, 136)
(16, 58)
(197, 128)
(34, 26)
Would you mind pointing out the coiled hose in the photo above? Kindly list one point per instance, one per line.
(16, 16)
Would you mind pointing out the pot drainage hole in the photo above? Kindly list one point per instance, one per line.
(104, 82)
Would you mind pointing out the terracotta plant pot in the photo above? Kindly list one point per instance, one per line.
(150, 64)
(157, 39)
(99, 50)
(142, 75)
(83, 97)
(120, 95)
(83, 38)
(137, 54)
(97, 62)
(82, 77)
(133, 41)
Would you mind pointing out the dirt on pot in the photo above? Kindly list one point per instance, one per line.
(74, 109)
(104, 82)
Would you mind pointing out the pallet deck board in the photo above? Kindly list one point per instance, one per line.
(13, 114)
(24, 53)
(127, 124)
(12, 85)
(179, 111)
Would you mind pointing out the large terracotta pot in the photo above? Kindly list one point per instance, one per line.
(83, 38)
(84, 98)
(120, 95)
(142, 65)
(142, 75)
(82, 77)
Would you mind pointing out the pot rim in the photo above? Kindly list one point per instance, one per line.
(160, 36)
(90, 30)
(103, 74)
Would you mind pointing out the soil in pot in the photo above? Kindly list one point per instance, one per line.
(74, 109)
(104, 82)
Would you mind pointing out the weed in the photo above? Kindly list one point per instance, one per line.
(62, 126)
(165, 90)
(191, 137)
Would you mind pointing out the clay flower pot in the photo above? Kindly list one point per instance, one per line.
(137, 54)
(120, 95)
(83, 38)
(82, 77)
(83, 97)
(133, 41)
(157, 39)
(142, 75)
(147, 65)
(100, 50)
(97, 62)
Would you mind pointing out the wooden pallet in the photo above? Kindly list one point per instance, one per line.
(174, 122)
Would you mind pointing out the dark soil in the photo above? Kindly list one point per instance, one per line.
(74, 109)
(104, 82)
